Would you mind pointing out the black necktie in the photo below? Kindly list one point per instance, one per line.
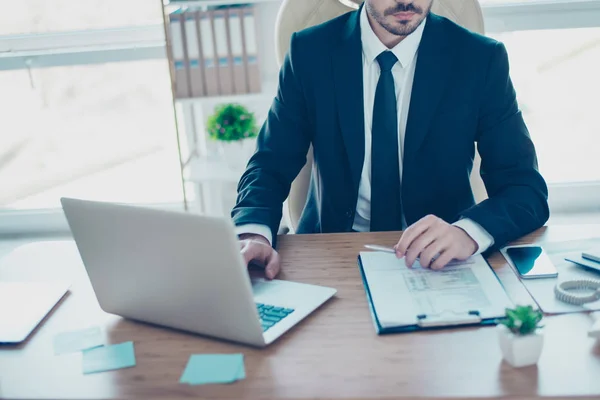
(386, 203)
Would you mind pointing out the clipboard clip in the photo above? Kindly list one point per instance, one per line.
(448, 318)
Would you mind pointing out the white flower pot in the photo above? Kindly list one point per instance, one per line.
(237, 153)
(520, 351)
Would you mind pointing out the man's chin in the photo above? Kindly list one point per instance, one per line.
(404, 28)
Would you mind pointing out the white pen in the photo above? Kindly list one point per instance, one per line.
(380, 248)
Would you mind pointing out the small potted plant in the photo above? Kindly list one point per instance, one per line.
(232, 125)
(521, 340)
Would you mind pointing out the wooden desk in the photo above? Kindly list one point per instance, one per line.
(335, 353)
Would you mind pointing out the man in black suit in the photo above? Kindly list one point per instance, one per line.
(393, 99)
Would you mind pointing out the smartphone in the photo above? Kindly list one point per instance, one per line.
(532, 262)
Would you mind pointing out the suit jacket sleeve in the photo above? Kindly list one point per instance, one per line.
(518, 195)
(282, 146)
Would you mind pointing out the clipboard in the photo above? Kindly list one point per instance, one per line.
(435, 321)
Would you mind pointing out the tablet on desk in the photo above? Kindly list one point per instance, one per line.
(23, 305)
(584, 262)
(592, 255)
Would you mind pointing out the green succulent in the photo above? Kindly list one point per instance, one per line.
(232, 122)
(522, 320)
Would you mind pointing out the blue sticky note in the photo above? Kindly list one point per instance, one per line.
(203, 369)
(70, 342)
(242, 371)
(107, 358)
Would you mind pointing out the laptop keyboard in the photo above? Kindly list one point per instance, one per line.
(270, 315)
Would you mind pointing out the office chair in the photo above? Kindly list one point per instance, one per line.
(295, 15)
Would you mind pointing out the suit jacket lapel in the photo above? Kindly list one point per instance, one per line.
(348, 81)
(431, 74)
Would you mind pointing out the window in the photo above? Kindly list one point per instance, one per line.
(43, 16)
(100, 131)
(554, 53)
(87, 108)
(555, 73)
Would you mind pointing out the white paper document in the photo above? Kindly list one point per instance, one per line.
(401, 294)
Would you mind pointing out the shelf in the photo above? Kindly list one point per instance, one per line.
(205, 171)
(207, 3)
(234, 98)
(267, 94)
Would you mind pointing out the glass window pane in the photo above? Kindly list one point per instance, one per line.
(555, 73)
(42, 16)
(103, 132)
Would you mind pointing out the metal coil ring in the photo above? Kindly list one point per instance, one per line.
(563, 291)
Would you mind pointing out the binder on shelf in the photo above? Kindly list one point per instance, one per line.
(178, 54)
(215, 51)
(237, 51)
(208, 48)
(250, 50)
(224, 68)
(192, 48)
(231, 74)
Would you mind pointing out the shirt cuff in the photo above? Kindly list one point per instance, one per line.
(256, 229)
(483, 239)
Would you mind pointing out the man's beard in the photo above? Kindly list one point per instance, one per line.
(402, 28)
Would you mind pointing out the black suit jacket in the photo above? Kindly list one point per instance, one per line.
(462, 96)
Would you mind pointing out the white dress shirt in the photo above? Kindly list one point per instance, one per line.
(403, 72)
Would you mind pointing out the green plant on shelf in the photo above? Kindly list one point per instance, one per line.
(522, 320)
(232, 122)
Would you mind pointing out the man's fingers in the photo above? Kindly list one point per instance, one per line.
(413, 232)
(273, 266)
(264, 255)
(433, 250)
(410, 257)
(443, 259)
(420, 244)
(256, 252)
(408, 236)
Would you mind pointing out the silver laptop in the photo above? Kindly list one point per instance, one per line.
(183, 271)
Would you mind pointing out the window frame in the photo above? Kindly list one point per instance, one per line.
(52, 221)
(26, 51)
(540, 14)
(82, 47)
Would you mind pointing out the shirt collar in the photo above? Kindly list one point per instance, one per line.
(405, 51)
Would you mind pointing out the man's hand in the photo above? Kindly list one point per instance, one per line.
(435, 242)
(257, 249)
